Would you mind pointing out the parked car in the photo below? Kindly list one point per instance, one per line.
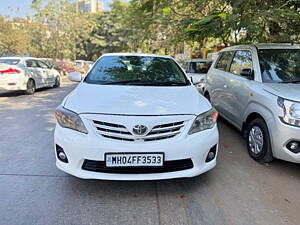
(66, 67)
(257, 89)
(135, 117)
(83, 66)
(197, 69)
(212, 56)
(27, 74)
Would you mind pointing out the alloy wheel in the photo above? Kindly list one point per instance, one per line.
(256, 140)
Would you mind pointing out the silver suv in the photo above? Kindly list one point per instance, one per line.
(257, 89)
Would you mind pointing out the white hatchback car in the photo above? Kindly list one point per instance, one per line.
(135, 117)
(26, 74)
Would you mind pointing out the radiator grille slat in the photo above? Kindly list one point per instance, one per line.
(121, 132)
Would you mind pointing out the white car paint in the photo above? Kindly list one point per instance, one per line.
(43, 77)
(128, 106)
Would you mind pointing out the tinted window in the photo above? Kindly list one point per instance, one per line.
(10, 61)
(199, 67)
(136, 70)
(279, 65)
(31, 63)
(42, 64)
(241, 60)
(223, 60)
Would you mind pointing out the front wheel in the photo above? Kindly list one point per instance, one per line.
(30, 87)
(258, 141)
(57, 82)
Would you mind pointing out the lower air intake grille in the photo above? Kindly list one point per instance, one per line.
(169, 166)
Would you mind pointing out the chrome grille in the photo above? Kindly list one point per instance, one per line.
(120, 132)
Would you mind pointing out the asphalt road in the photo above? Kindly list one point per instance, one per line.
(33, 191)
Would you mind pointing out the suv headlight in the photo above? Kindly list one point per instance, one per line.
(204, 121)
(291, 111)
(69, 119)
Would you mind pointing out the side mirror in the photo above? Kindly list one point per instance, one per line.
(74, 76)
(248, 73)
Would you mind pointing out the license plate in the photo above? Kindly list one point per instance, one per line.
(134, 159)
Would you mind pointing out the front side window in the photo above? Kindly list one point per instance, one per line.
(223, 60)
(242, 60)
(136, 70)
(31, 63)
(279, 65)
(42, 64)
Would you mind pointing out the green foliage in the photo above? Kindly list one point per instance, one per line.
(157, 26)
(110, 33)
(58, 29)
(13, 37)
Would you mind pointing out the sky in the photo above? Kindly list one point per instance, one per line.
(21, 8)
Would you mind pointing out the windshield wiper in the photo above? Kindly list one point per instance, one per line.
(290, 81)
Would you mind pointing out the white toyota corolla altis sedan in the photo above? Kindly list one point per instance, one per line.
(135, 117)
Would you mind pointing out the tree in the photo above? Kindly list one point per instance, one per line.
(111, 34)
(13, 37)
(58, 28)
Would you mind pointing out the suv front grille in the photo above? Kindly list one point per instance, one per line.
(120, 132)
(169, 166)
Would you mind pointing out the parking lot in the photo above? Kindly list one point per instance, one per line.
(33, 191)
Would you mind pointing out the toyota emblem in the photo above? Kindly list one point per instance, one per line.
(139, 129)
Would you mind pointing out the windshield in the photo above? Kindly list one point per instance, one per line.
(136, 70)
(200, 67)
(10, 61)
(280, 65)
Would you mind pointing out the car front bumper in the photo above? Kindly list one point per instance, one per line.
(79, 147)
(281, 135)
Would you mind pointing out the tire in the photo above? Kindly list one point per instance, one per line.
(57, 82)
(30, 87)
(258, 141)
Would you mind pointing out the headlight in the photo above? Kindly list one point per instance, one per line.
(69, 119)
(204, 121)
(291, 111)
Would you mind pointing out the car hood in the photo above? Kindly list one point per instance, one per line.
(288, 91)
(136, 100)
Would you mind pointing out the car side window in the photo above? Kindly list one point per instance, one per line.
(30, 63)
(223, 60)
(242, 60)
(42, 64)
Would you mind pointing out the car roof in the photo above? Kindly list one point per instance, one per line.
(137, 54)
(263, 46)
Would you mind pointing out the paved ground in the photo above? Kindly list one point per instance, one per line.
(33, 191)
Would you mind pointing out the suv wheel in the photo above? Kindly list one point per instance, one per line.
(30, 87)
(258, 141)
